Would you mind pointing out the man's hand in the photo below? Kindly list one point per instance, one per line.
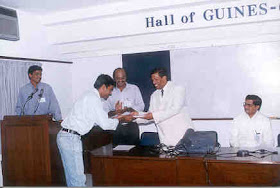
(118, 106)
(148, 116)
(135, 113)
(125, 118)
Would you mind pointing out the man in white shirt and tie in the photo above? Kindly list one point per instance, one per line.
(251, 128)
(87, 112)
(168, 109)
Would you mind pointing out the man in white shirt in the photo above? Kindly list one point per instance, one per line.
(167, 109)
(87, 112)
(251, 128)
(125, 98)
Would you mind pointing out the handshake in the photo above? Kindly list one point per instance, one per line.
(128, 114)
(125, 118)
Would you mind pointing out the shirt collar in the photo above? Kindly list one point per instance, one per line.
(37, 86)
(97, 92)
(126, 86)
(254, 116)
(166, 86)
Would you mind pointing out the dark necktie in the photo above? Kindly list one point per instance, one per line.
(162, 92)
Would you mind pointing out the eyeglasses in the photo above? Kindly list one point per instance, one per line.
(249, 105)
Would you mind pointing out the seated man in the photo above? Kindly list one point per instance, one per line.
(37, 98)
(167, 109)
(251, 128)
(125, 98)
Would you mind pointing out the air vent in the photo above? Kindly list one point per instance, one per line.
(8, 24)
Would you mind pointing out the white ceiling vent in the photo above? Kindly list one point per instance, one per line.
(8, 24)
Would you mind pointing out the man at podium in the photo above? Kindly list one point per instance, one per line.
(37, 98)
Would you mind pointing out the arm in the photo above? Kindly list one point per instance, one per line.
(118, 110)
(233, 141)
(19, 103)
(267, 134)
(54, 108)
(102, 117)
(139, 103)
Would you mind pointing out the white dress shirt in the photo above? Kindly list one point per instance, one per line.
(251, 132)
(170, 114)
(130, 97)
(88, 112)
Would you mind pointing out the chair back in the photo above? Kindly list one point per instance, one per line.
(149, 139)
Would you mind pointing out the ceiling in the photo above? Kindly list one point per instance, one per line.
(50, 6)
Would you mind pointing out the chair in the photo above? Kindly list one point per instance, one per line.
(278, 139)
(149, 139)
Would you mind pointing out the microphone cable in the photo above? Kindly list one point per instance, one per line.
(38, 102)
(28, 99)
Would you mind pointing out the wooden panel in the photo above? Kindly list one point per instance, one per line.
(134, 171)
(191, 172)
(243, 174)
(97, 171)
(57, 170)
(96, 138)
(26, 156)
(29, 150)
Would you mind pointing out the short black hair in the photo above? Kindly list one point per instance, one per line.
(257, 101)
(33, 68)
(104, 79)
(117, 70)
(161, 72)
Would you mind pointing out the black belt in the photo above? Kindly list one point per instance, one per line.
(70, 131)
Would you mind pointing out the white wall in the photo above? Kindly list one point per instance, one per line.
(97, 36)
(33, 44)
(98, 31)
(218, 78)
(94, 39)
(86, 70)
(59, 76)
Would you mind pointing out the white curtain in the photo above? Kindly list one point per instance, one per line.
(13, 75)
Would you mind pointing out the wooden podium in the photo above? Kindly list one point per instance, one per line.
(29, 151)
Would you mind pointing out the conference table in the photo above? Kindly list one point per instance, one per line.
(145, 166)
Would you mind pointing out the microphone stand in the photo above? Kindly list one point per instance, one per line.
(38, 102)
(28, 99)
(22, 110)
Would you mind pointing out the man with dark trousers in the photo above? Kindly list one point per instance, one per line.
(125, 98)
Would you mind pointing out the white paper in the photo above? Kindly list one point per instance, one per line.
(123, 147)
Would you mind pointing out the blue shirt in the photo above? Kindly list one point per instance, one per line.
(42, 102)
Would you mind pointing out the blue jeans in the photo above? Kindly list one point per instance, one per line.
(70, 148)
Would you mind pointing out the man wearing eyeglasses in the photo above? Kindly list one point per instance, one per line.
(251, 128)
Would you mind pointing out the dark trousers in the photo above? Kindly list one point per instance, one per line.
(127, 134)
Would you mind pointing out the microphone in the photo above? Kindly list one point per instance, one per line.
(28, 99)
(31, 95)
(41, 93)
(38, 102)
